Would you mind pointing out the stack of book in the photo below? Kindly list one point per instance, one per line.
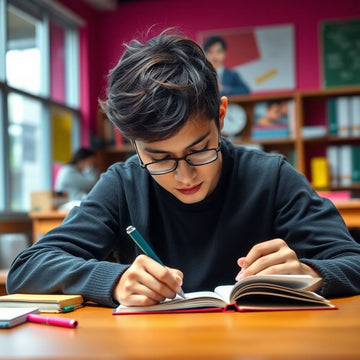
(52, 303)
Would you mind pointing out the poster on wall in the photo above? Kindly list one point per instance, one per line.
(263, 56)
(340, 52)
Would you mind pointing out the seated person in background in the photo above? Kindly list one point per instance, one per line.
(213, 212)
(230, 82)
(78, 176)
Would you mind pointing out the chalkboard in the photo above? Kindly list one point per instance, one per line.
(341, 53)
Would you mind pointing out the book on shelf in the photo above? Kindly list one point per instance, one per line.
(53, 303)
(333, 161)
(355, 164)
(253, 293)
(331, 116)
(355, 115)
(343, 115)
(344, 164)
(10, 317)
(273, 119)
(314, 132)
(319, 172)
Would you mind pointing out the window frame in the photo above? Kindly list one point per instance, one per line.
(71, 23)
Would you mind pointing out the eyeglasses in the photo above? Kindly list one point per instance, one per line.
(196, 158)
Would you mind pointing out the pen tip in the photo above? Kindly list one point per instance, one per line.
(181, 293)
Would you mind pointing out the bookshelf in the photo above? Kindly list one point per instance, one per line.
(309, 109)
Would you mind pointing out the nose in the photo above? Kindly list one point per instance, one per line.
(184, 172)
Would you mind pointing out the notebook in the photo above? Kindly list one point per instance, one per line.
(10, 317)
(53, 303)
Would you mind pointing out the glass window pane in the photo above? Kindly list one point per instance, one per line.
(27, 148)
(57, 62)
(23, 58)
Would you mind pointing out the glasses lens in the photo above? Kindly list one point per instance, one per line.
(195, 159)
(202, 157)
(161, 167)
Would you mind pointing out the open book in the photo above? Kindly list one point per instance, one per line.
(253, 293)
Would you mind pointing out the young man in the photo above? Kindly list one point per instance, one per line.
(211, 211)
(230, 82)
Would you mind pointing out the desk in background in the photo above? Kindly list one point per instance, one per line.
(306, 334)
(350, 211)
(44, 221)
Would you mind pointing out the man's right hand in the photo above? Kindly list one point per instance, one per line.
(146, 282)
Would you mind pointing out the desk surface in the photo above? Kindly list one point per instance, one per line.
(321, 334)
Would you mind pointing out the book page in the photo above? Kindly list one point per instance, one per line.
(295, 282)
(224, 292)
(192, 300)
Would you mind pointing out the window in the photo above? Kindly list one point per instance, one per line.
(39, 97)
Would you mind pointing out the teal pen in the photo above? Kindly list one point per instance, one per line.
(144, 246)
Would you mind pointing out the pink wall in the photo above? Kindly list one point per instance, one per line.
(107, 31)
(57, 62)
(89, 69)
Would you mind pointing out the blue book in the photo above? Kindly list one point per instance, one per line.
(268, 133)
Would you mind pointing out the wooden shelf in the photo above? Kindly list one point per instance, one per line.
(333, 139)
(305, 103)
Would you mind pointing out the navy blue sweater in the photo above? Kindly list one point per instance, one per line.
(259, 197)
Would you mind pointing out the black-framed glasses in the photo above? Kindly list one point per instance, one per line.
(196, 158)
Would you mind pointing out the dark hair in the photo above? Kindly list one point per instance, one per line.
(81, 154)
(214, 40)
(156, 86)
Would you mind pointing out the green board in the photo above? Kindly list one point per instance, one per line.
(341, 53)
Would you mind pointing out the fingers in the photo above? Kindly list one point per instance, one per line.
(147, 282)
(269, 257)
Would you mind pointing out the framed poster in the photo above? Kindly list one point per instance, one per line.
(264, 56)
(340, 53)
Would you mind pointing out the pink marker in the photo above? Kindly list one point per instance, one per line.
(52, 320)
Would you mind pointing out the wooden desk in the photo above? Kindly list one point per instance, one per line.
(3, 275)
(44, 221)
(350, 211)
(322, 334)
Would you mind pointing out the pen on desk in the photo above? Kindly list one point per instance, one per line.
(144, 246)
(52, 320)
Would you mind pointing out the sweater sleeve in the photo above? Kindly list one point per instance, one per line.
(72, 258)
(313, 227)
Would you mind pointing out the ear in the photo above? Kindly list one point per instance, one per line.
(222, 110)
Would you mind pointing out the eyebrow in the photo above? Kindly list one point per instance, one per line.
(155, 151)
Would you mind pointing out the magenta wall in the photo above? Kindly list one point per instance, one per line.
(109, 30)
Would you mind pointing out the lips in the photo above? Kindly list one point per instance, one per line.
(190, 190)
